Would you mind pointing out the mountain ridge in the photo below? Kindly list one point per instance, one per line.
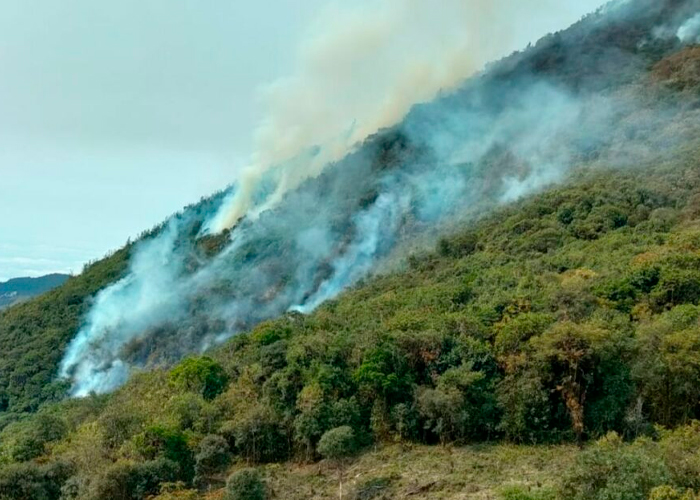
(24, 288)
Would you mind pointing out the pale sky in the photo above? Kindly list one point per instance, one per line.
(115, 114)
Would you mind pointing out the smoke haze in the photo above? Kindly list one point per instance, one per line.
(364, 64)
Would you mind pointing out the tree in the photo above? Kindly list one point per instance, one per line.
(30, 481)
(259, 434)
(245, 484)
(575, 359)
(201, 375)
(161, 442)
(338, 445)
(134, 481)
(668, 366)
(27, 440)
(213, 456)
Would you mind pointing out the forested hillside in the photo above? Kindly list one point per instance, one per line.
(559, 319)
(545, 348)
(599, 68)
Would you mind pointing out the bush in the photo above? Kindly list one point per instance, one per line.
(611, 470)
(681, 452)
(27, 440)
(670, 493)
(175, 491)
(118, 426)
(161, 442)
(130, 481)
(30, 481)
(213, 456)
(259, 435)
(201, 375)
(338, 443)
(245, 484)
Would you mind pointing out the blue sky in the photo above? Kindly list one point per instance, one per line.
(113, 115)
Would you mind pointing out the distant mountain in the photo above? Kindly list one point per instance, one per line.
(18, 289)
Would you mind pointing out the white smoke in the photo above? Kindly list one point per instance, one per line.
(361, 68)
(120, 313)
(495, 141)
(689, 32)
(299, 256)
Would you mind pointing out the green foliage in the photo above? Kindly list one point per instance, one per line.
(245, 484)
(176, 491)
(27, 440)
(668, 366)
(30, 481)
(609, 470)
(384, 374)
(133, 481)
(670, 493)
(680, 449)
(259, 435)
(556, 319)
(201, 375)
(34, 334)
(338, 443)
(213, 456)
(159, 442)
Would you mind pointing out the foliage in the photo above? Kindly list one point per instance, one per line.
(27, 440)
(159, 442)
(133, 481)
(30, 481)
(201, 375)
(610, 470)
(213, 456)
(338, 443)
(245, 484)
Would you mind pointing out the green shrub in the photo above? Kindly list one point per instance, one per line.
(611, 470)
(681, 452)
(338, 443)
(245, 484)
(117, 426)
(133, 481)
(27, 440)
(161, 442)
(30, 481)
(671, 493)
(212, 456)
(259, 435)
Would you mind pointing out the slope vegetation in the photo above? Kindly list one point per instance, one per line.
(469, 370)
(559, 319)
(604, 57)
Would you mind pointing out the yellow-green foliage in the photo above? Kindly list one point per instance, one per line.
(497, 342)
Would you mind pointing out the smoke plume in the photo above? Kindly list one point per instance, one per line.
(362, 66)
(313, 222)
